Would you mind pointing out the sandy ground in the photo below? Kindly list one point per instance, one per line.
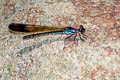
(47, 57)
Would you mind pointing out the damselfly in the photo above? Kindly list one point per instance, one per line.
(37, 30)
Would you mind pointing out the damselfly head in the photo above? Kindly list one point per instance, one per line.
(81, 29)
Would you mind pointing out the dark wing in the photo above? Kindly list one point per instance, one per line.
(27, 28)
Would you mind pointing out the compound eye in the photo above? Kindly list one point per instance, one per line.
(81, 26)
(81, 29)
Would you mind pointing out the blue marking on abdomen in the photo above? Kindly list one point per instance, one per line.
(72, 31)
